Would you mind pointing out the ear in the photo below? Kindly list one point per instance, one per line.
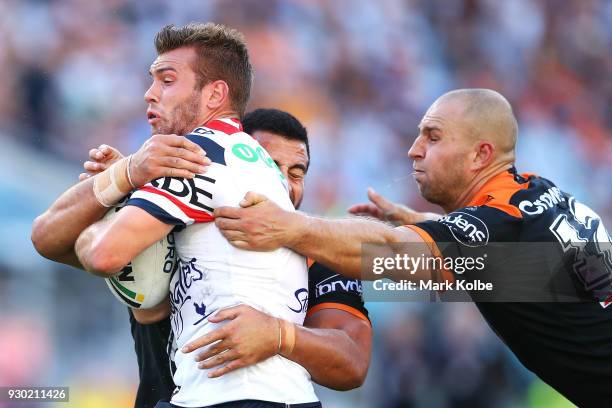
(483, 155)
(216, 94)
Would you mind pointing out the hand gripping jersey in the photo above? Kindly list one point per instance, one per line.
(565, 337)
(154, 345)
(213, 274)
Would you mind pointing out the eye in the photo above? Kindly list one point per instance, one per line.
(167, 80)
(296, 175)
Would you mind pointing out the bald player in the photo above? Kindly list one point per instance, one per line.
(464, 162)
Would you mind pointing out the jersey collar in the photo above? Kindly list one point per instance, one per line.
(501, 181)
(225, 125)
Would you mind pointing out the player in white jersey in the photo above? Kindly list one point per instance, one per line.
(202, 78)
(214, 275)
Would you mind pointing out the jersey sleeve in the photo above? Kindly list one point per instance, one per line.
(330, 290)
(179, 201)
(467, 232)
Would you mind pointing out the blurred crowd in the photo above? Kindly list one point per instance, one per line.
(359, 74)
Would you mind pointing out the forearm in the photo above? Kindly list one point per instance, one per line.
(338, 243)
(329, 355)
(154, 314)
(55, 232)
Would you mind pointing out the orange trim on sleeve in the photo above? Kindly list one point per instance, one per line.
(338, 306)
(447, 275)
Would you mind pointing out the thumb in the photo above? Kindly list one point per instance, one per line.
(380, 201)
(251, 198)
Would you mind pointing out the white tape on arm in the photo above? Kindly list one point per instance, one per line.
(112, 184)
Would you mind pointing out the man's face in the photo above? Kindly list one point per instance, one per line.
(440, 154)
(291, 158)
(173, 98)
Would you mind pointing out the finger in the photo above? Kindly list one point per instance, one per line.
(212, 351)
(95, 154)
(229, 367)
(228, 224)
(105, 149)
(380, 201)
(222, 358)
(226, 314)
(228, 212)
(84, 176)
(198, 158)
(179, 163)
(177, 173)
(232, 236)
(251, 198)
(369, 210)
(205, 340)
(359, 208)
(180, 141)
(94, 167)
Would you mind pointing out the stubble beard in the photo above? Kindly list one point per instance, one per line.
(182, 119)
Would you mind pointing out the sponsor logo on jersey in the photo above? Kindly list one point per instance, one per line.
(301, 303)
(338, 284)
(546, 201)
(466, 228)
(188, 274)
(195, 190)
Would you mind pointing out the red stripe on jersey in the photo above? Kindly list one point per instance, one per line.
(237, 122)
(197, 215)
(223, 127)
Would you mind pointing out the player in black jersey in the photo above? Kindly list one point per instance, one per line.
(550, 255)
(334, 347)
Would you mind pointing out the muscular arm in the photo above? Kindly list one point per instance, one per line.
(105, 247)
(55, 232)
(334, 346)
(336, 243)
(57, 229)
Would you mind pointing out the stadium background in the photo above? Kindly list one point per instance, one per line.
(359, 74)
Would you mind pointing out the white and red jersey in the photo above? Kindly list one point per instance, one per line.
(213, 274)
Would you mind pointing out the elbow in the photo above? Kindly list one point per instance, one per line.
(40, 239)
(101, 260)
(355, 377)
(352, 377)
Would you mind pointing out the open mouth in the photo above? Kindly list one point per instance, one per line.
(152, 116)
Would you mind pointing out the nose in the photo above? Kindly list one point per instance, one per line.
(151, 95)
(417, 151)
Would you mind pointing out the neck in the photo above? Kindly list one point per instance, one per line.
(218, 114)
(478, 181)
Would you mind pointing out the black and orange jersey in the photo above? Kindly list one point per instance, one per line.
(548, 244)
(327, 290)
(330, 290)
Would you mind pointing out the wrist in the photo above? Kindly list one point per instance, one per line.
(112, 184)
(298, 224)
(286, 337)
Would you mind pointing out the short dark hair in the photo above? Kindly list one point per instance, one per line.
(221, 55)
(278, 122)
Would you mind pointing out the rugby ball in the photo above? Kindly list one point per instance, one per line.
(145, 281)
